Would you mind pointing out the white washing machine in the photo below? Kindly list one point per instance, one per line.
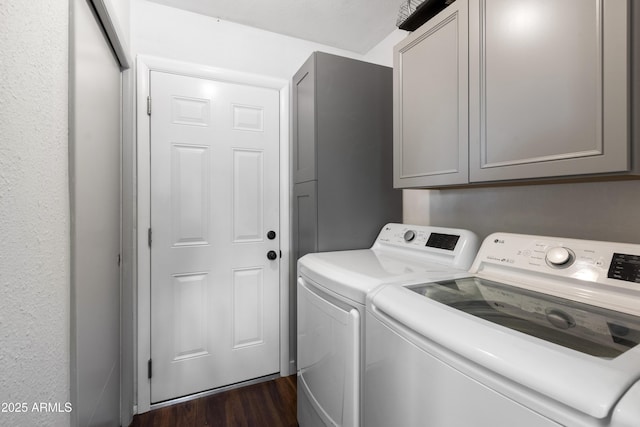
(332, 287)
(543, 332)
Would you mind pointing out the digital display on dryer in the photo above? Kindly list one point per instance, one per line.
(443, 241)
(625, 267)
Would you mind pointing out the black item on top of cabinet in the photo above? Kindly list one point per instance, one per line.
(425, 11)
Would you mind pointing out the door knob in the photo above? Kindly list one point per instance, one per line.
(272, 255)
(271, 235)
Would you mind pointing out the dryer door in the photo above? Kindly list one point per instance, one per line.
(328, 359)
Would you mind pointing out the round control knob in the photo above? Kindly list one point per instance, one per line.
(559, 256)
(409, 235)
(560, 319)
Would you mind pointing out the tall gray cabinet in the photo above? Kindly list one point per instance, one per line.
(342, 159)
(342, 154)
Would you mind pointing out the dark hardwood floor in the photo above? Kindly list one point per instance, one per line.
(267, 404)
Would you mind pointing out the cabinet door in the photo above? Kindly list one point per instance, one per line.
(548, 88)
(305, 219)
(431, 102)
(304, 123)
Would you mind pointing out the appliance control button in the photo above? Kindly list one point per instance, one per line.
(559, 257)
(409, 235)
(560, 319)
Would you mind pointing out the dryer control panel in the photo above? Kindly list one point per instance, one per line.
(455, 247)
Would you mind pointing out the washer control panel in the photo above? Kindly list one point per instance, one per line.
(589, 260)
(625, 267)
(560, 257)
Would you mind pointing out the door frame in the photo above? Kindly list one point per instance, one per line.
(145, 64)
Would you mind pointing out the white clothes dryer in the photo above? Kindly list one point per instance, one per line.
(332, 287)
(543, 332)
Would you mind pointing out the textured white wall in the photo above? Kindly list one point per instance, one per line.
(382, 53)
(122, 18)
(34, 209)
(176, 34)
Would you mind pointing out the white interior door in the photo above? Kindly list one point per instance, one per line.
(214, 200)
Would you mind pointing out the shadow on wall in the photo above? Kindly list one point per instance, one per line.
(594, 210)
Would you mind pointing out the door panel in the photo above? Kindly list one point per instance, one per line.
(570, 127)
(543, 103)
(214, 186)
(248, 307)
(431, 102)
(248, 195)
(304, 123)
(190, 177)
(329, 355)
(305, 219)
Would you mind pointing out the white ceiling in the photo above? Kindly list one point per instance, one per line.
(355, 25)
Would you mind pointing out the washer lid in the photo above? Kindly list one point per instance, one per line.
(353, 274)
(585, 328)
(590, 384)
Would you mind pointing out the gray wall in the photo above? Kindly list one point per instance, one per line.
(34, 209)
(598, 210)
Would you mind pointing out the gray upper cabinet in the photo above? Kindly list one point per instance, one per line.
(548, 88)
(503, 90)
(431, 102)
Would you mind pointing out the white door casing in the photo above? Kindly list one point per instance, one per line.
(214, 197)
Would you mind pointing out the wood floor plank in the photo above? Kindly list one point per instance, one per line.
(214, 410)
(236, 412)
(267, 404)
(186, 414)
